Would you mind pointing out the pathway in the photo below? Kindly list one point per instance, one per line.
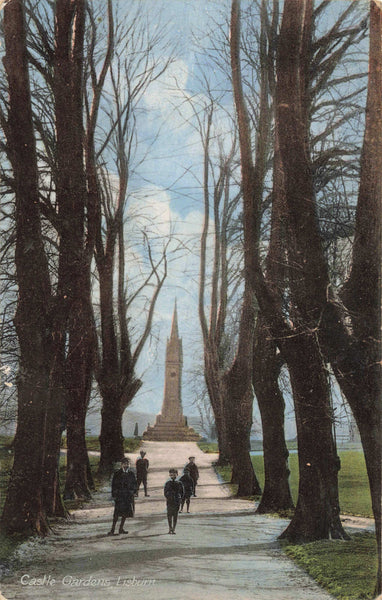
(222, 550)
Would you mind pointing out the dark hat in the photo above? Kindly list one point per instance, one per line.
(125, 460)
(189, 458)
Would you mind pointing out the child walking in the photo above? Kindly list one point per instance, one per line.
(174, 492)
(188, 485)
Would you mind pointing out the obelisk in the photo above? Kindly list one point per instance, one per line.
(170, 424)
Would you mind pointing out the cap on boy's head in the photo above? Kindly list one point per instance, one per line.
(125, 460)
(173, 471)
(191, 457)
(142, 453)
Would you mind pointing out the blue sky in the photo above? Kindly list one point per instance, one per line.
(164, 186)
(167, 186)
(167, 183)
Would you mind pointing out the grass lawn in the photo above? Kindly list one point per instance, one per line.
(352, 481)
(346, 569)
(208, 447)
(92, 443)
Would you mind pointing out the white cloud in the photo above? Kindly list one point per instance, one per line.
(149, 210)
(168, 92)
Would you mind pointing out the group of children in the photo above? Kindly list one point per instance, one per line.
(125, 486)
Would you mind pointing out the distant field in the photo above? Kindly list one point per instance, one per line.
(352, 481)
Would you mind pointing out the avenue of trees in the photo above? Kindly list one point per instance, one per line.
(67, 235)
(290, 248)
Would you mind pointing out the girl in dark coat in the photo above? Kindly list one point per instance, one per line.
(123, 489)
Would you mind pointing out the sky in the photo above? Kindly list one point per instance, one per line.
(166, 185)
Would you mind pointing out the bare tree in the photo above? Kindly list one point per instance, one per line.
(301, 349)
(134, 67)
(24, 509)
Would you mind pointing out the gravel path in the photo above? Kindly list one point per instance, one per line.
(222, 550)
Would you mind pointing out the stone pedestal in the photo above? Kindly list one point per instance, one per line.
(170, 431)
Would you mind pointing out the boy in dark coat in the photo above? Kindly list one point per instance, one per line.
(142, 466)
(188, 485)
(123, 489)
(174, 492)
(194, 471)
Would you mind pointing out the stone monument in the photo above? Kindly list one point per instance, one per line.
(170, 424)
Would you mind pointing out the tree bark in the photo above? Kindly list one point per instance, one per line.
(317, 511)
(74, 205)
(355, 352)
(317, 514)
(213, 378)
(238, 403)
(267, 363)
(79, 368)
(24, 510)
(111, 436)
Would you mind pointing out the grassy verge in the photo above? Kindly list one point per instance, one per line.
(347, 570)
(92, 443)
(208, 447)
(352, 481)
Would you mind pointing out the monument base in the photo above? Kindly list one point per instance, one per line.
(170, 431)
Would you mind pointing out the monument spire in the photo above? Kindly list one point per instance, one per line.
(170, 424)
(174, 325)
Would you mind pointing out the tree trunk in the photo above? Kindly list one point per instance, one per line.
(111, 437)
(75, 249)
(24, 510)
(317, 511)
(253, 176)
(238, 402)
(317, 514)
(238, 409)
(79, 370)
(76, 483)
(362, 291)
(55, 418)
(214, 386)
(266, 370)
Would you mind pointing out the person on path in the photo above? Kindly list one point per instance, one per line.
(194, 472)
(174, 492)
(142, 467)
(123, 489)
(188, 485)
